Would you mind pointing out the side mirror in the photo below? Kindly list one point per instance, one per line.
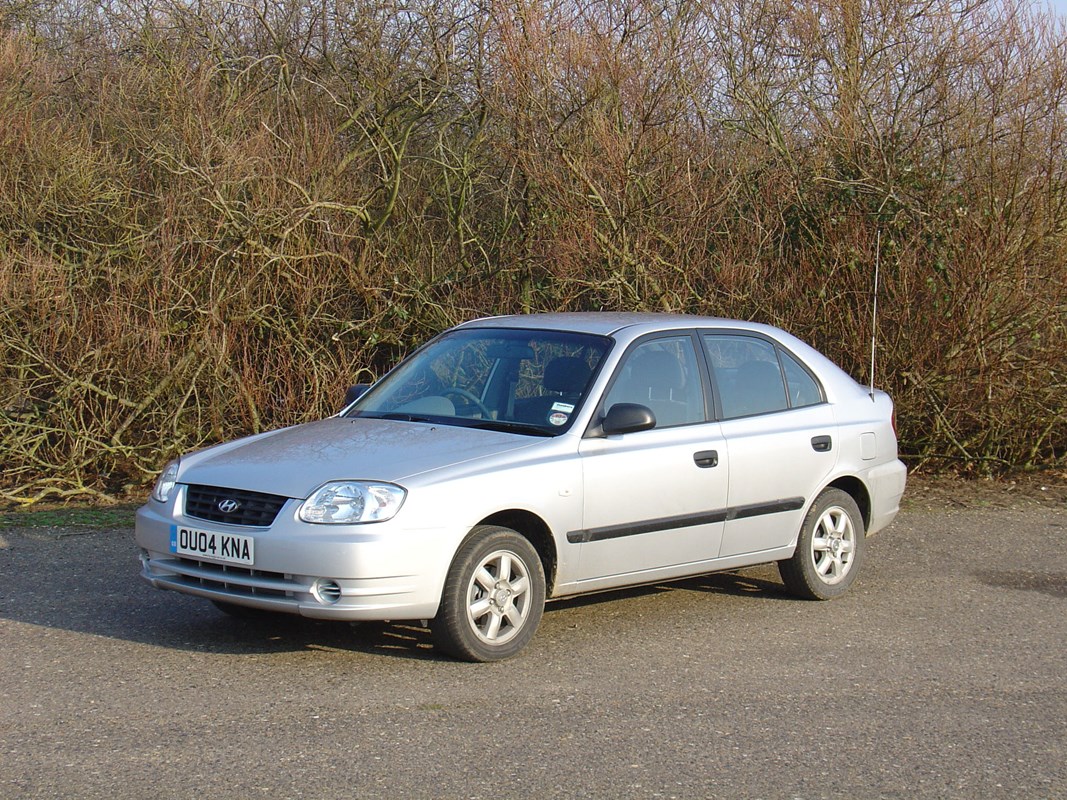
(355, 392)
(628, 418)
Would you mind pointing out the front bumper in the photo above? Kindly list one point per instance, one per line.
(359, 572)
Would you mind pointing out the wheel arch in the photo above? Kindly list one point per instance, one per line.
(857, 490)
(533, 529)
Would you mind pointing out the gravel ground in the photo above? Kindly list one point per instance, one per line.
(940, 675)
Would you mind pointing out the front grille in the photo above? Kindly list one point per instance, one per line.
(235, 580)
(252, 508)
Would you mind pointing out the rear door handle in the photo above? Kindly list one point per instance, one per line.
(821, 444)
(706, 458)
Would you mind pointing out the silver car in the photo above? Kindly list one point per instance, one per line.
(517, 459)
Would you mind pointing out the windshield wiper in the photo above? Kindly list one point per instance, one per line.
(463, 422)
(507, 427)
(405, 417)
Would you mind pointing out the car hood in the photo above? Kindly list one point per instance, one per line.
(293, 462)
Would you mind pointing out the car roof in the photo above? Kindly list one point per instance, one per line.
(608, 323)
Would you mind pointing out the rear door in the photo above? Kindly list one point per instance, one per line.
(781, 434)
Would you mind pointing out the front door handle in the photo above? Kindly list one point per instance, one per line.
(821, 444)
(706, 458)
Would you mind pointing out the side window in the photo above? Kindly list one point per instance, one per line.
(803, 390)
(747, 375)
(661, 374)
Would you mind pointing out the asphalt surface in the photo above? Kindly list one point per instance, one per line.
(940, 675)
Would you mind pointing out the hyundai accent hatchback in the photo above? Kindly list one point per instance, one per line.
(513, 460)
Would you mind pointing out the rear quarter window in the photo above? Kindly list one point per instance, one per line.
(803, 389)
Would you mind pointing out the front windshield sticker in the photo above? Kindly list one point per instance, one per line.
(566, 408)
(558, 418)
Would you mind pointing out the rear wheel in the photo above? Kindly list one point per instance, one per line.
(829, 550)
(493, 598)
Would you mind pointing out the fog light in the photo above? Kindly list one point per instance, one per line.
(326, 592)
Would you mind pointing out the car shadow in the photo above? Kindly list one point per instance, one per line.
(282, 632)
(761, 581)
(89, 583)
(1054, 584)
(741, 584)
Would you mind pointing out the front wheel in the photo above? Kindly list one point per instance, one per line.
(493, 598)
(829, 550)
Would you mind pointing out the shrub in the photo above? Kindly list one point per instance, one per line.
(215, 217)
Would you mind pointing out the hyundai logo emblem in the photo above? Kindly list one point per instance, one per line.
(228, 506)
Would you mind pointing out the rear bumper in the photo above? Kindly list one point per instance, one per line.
(886, 483)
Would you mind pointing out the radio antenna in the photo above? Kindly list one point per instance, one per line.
(874, 304)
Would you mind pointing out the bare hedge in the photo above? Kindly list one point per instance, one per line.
(215, 216)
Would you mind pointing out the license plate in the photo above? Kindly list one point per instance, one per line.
(231, 548)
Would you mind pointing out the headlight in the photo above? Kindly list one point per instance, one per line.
(348, 502)
(165, 482)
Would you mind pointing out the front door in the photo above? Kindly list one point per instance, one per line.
(655, 500)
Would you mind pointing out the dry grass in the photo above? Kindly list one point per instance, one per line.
(214, 218)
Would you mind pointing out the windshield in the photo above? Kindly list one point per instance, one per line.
(515, 380)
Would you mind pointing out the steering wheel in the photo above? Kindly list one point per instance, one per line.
(470, 398)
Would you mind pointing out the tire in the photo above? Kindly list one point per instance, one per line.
(830, 549)
(493, 598)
